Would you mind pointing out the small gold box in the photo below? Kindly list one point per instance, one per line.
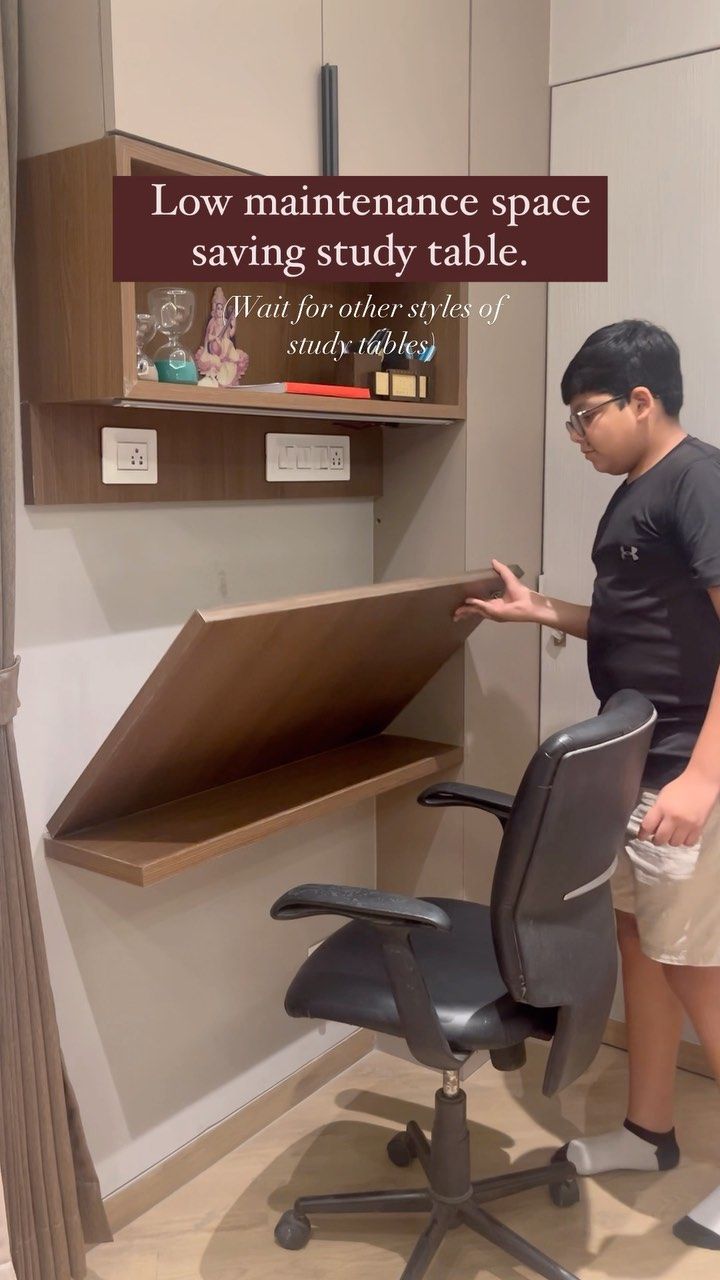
(399, 384)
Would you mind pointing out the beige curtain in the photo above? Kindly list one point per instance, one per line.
(51, 1191)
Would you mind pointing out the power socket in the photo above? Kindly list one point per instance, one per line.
(129, 455)
(132, 456)
(337, 458)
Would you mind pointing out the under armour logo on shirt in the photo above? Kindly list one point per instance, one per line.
(629, 553)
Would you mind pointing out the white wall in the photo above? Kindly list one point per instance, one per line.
(169, 999)
(163, 1033)
(591, 37)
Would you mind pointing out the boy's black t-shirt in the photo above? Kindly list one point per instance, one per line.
(653, 626)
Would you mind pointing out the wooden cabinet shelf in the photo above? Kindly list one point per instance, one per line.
(238, 400)
(262, 717)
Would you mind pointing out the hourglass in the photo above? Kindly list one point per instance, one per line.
(173, 308)
(145, 330)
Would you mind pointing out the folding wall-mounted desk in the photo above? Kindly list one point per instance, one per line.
(261, 717)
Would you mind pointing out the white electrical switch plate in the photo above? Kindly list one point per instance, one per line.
(291, 457)
(129, 455)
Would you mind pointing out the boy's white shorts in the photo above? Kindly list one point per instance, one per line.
(673, 892)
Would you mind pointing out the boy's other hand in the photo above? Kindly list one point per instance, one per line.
(681, 810)
(515, 605)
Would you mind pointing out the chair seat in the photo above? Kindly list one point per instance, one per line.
(344, 980)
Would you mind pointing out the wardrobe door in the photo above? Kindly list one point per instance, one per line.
(653, 131)
(597, 36)
(236, 82)
(402, 84)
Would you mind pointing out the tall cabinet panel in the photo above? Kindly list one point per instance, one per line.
(652, 131)
(236, 82)
(403, 84)
(506, 388)
(403, 94)
(58, 109)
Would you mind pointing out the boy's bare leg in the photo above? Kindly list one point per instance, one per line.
(654, 1018)
(699, 991)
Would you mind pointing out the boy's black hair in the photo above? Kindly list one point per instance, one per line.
(618, 357)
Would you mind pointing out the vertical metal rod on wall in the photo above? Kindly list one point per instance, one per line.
(329, 88)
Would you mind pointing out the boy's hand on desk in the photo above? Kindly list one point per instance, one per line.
(514, 605)
(681, 810)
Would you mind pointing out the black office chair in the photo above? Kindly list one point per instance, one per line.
(452, 977)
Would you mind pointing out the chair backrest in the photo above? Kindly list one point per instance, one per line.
(552, 916)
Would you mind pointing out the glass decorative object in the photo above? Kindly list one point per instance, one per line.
(145, 330)
(173, 307)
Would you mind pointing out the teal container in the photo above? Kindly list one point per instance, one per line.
(168, 372)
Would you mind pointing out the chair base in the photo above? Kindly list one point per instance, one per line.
(451, 1198)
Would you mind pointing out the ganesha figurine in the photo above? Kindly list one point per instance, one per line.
(219, 362)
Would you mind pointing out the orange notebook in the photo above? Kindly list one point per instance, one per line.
(327, 389)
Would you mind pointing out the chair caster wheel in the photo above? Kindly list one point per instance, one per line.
(293, 1230)
(399, 1150)
(564, 1194)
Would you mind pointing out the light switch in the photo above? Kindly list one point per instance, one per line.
(307, 457)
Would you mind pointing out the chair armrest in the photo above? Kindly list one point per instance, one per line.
(498, 803)
(392, 916)
(359, 904)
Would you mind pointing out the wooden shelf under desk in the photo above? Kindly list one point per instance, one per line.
(146, 847)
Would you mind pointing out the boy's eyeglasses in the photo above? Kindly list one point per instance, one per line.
(576, 424)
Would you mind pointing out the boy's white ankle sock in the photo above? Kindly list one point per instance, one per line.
(701, 1227)
(630, 1147)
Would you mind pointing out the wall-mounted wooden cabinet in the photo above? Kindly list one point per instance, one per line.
(77, 352)
(77, 326)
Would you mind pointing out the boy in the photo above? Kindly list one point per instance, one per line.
(653, 625)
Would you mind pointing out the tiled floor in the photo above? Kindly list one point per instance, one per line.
(219, 1227)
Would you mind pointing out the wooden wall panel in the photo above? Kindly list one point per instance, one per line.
(202, 457)
(69, 311)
